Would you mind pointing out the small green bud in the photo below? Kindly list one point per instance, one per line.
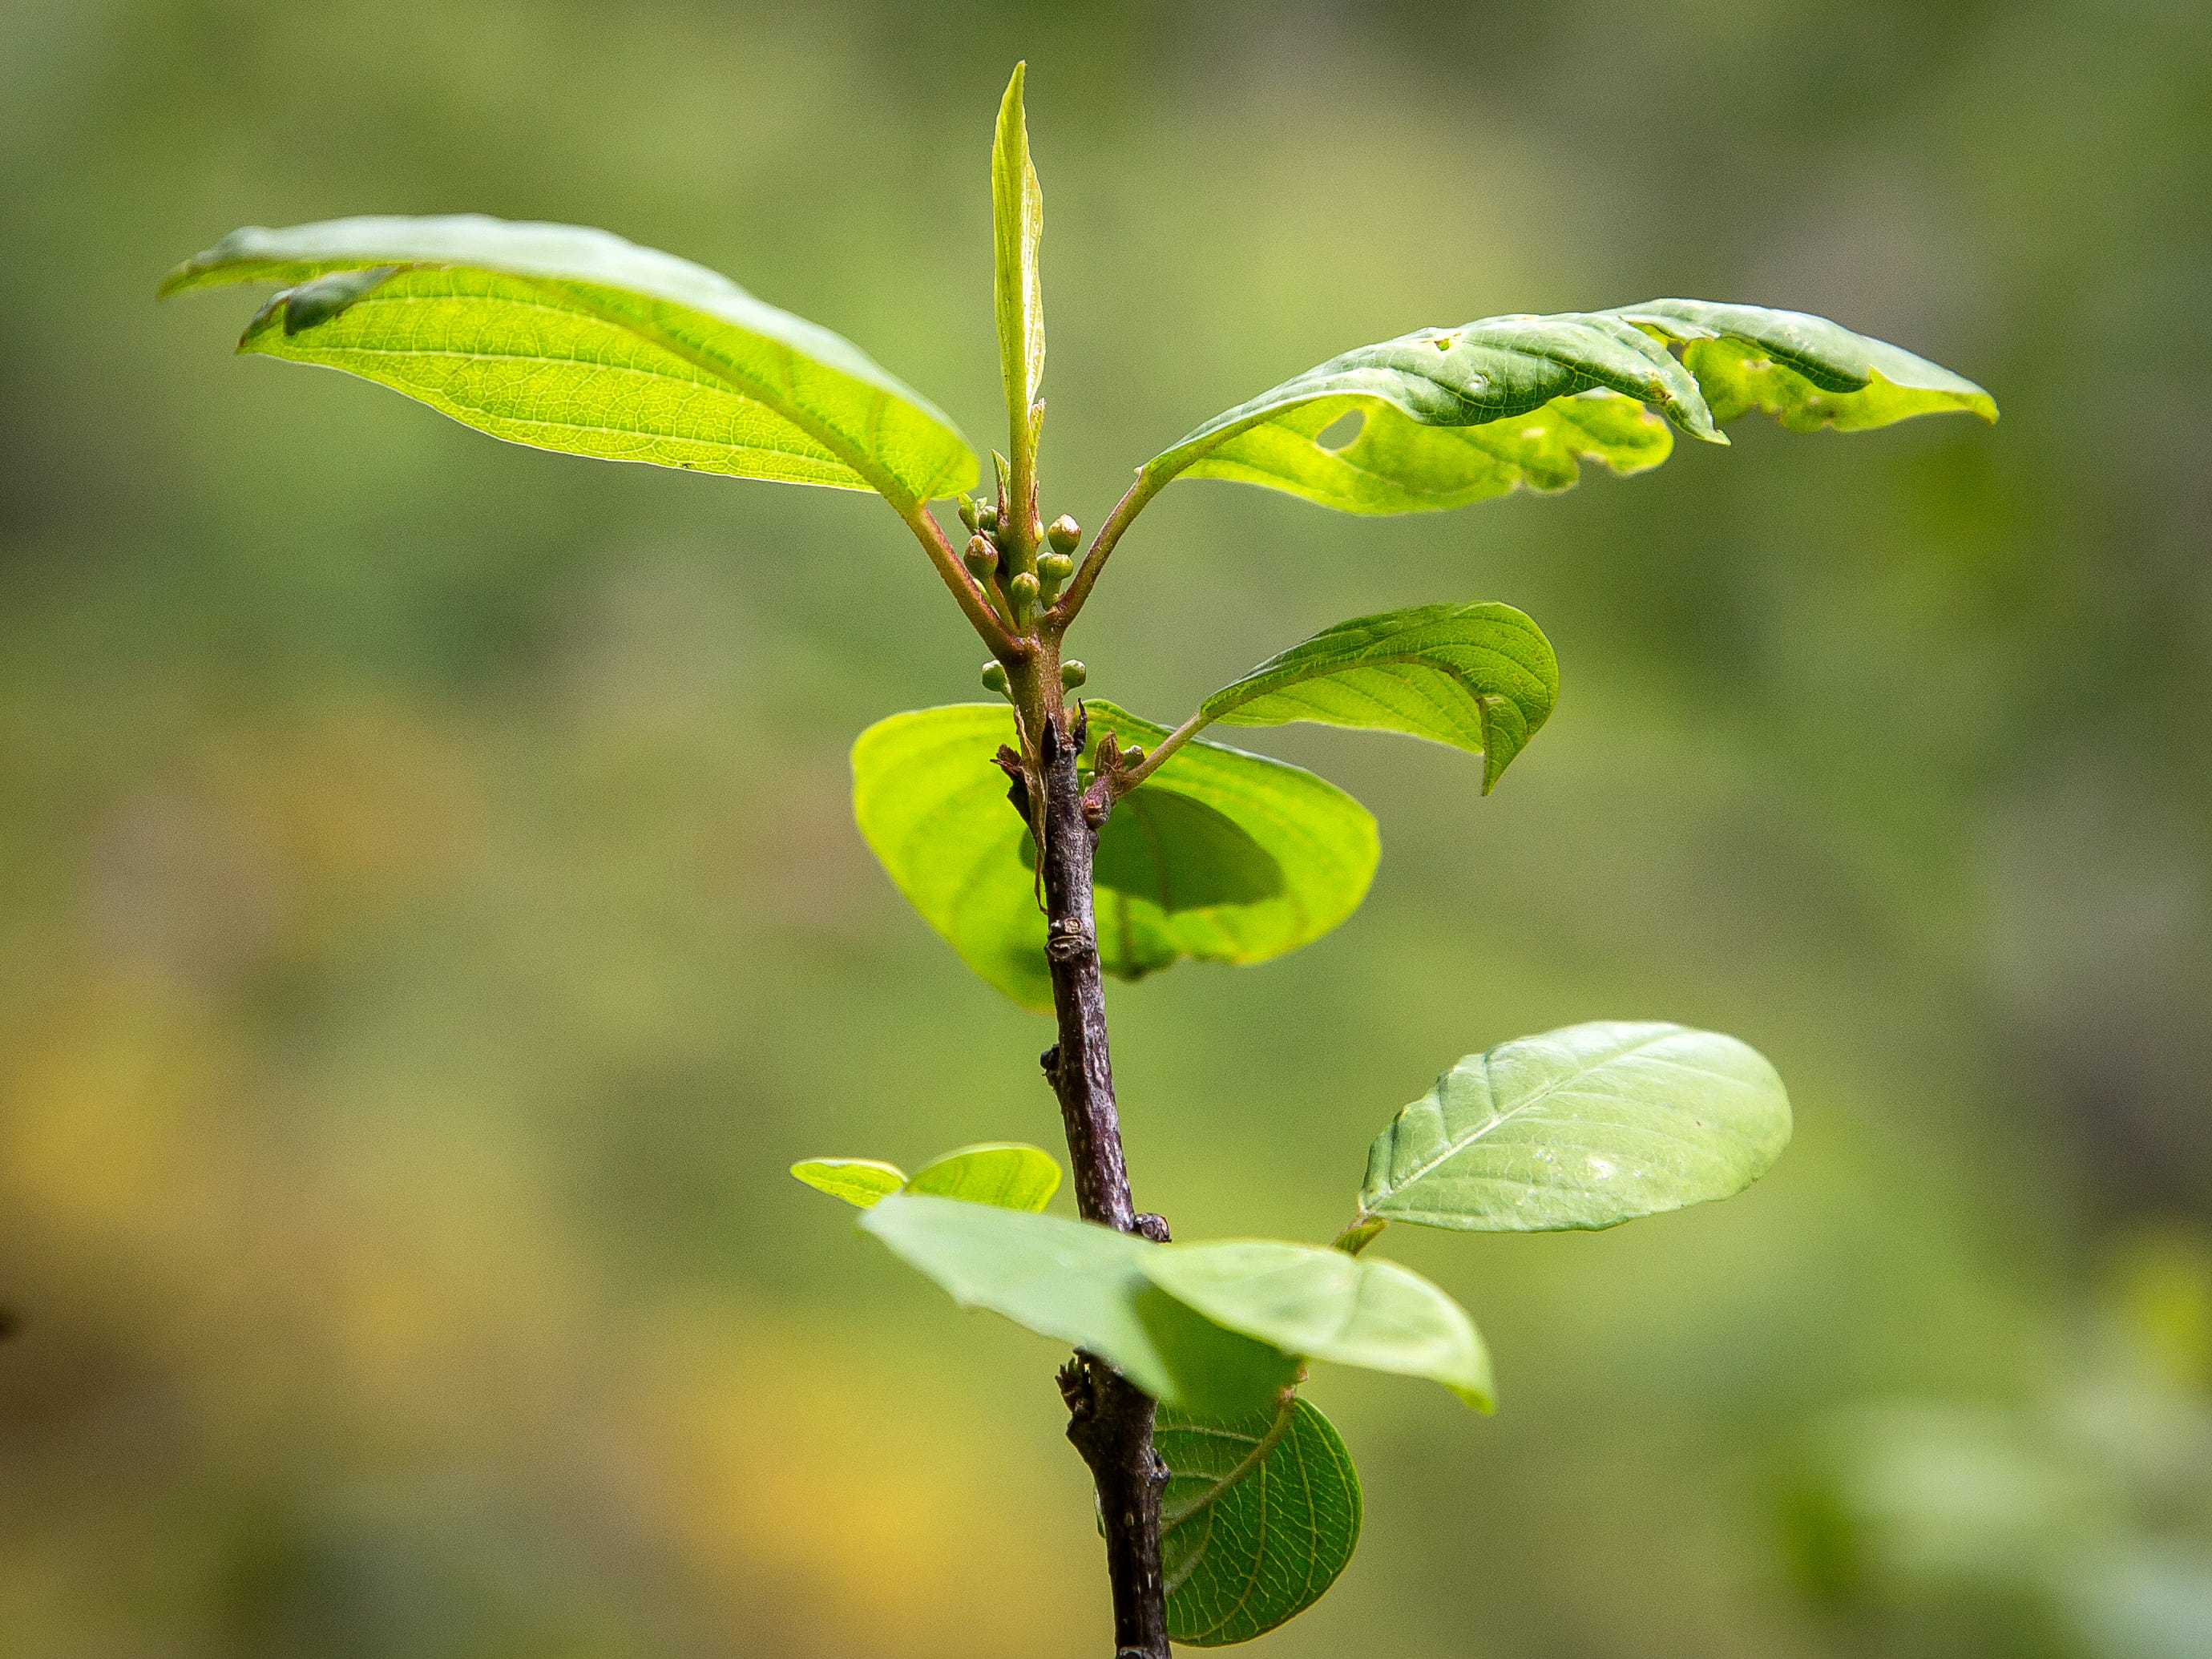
(982, 555)
(1072, 674)
(968, 510)
(1054, 568)
(1063, 533)
(994, 678)
(1132, 758)
(986, 516)
(1023, 591)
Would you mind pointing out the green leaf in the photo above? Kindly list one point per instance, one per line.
(1587, 1127)
(1220, 855)
(1017, 225)
(1261, 1515)
(1440, 417)
(859, 1181)
(572, 339)
(1327, 1304)
(1805, 370)
(1084, 1285)
(1006, 1173)
(1479, 677)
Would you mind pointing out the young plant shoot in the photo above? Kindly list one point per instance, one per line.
(1053, 841)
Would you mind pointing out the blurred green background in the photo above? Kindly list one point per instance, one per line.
(431, 917)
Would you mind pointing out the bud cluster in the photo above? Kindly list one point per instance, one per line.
(1018, 590)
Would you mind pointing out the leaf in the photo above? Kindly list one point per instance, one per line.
(1805, 370)
(1479, 677)
(1084, 1285)
(572, 339)
(1588, 1127)
(1005, 1173)
(1220, 856)
(1327, 1304)
(1446, 417)
(1261, 1515)
(859, 1181)
(1017, 225)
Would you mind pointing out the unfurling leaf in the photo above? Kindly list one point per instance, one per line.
(1583, 1127)
(1084, 1285)
(1017, 225)
(1261, 1515)
(1220, 856)
(1327, 1304)
(572, 339)
(1479, 677)
(1009, 1174)
(1446, 417)
(860, 1181)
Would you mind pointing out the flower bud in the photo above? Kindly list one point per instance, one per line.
(1072, 674)
(1063, 533)
(982, 555)
(1132, 758)
(1023, 591)
(968, 510)
(994, 678)
(1054, 568)
(986, 516)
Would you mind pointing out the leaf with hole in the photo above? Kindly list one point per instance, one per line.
(1261, 1515)
(1479, 677)
(571, 339)
(1583, 1127)
(1084, 1285)
(1441, 417)
(1327, 1304)
(1219, 856)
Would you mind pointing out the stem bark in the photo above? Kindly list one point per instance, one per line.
(1110, 1419)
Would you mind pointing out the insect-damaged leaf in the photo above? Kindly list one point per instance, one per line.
(572, 339)
(1445, 416)
(1220, 855)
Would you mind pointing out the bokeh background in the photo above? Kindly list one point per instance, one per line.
(431, 920)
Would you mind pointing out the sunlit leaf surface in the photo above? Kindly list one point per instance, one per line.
(1326, 1304)
(1220, 855)
(1440, 417)
(1587, 1127)
(1479, 677)
(573, 339)
(1083, 1285)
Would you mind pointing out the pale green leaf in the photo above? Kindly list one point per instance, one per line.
(1017, 225)
(1587, 1127)
(1007, 1173)
(1440, 417)
(859, 1181)
(1260, 1516)
(1220, 855)
(1479, 677)
(1083, 1285)
(573, 339)
(1805, 370)
(1327, 1304)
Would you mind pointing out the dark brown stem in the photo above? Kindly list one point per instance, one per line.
(1110, 1419)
